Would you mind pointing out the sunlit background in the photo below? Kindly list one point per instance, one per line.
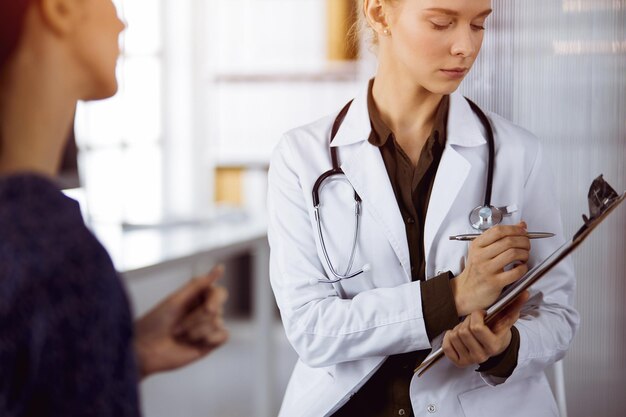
(173, 168)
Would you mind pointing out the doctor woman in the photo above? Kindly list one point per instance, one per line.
(362, 302)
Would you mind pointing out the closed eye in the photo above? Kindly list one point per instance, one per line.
(441, 26)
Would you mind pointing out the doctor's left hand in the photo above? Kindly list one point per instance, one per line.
(472, 342)
(184, 327)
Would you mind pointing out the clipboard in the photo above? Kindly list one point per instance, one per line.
(602, 201)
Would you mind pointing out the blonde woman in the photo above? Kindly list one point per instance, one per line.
(362, 204)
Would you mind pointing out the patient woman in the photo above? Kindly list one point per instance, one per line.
(67, 343)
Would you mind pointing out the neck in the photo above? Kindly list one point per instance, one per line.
(36, 110)
(408, 109)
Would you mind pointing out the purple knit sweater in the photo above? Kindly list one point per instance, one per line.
(65, 323)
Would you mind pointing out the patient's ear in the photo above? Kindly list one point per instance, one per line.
(61, 16)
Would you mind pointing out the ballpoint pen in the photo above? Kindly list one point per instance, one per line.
(472, 236)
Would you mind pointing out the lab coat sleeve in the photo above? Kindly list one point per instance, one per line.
(548, 321)
(323, 328)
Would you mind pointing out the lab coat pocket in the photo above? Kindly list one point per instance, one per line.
(529, 397)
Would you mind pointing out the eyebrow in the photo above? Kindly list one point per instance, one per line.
(455, 13)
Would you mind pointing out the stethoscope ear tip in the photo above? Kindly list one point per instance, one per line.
(313, 281)
(366, 268)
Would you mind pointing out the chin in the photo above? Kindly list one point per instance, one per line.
(445, 88)
(103, 90)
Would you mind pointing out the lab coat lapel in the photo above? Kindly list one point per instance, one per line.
(463, 131)
(365, 169)
(451, 175)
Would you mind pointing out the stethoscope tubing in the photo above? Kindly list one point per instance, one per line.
(345, 275)
(491, 149)
(336, 171)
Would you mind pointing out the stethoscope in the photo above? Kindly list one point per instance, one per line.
(480, 218)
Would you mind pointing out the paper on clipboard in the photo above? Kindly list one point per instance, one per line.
(532, 276)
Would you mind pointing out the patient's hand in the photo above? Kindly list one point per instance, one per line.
(184, 327)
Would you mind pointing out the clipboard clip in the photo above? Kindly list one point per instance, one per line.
(601, 198)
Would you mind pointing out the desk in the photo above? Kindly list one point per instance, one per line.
(155, 260)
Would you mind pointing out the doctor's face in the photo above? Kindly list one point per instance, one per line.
(433, 43)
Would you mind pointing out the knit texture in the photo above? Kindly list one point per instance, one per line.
(65, 323)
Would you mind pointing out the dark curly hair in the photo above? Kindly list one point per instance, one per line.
(12, 14)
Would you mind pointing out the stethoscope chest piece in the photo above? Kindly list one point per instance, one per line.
(485, 217)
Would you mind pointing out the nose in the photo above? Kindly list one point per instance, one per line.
(463, 44)
(122, 25)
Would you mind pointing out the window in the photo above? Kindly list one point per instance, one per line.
(120, 139)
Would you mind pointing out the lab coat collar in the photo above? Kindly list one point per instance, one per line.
(356, 126)
(463, 126)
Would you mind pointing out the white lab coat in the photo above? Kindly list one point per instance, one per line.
(343, 332)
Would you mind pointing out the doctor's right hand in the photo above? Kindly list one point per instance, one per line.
(484, 276)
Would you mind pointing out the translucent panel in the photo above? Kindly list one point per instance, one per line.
(265, 35)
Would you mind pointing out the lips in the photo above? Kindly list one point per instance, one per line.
(455, 73)
(455, 70)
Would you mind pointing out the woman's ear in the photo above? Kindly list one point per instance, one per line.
(61, 16)
(376, 14)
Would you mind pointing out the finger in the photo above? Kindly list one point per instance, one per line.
(462, 350)
(498, 263)
(502, 245)
(205, 346)
(477, 352)
(483, 334)
(512, 275)
(208, 335)
(202, 327)
(499, 232)
(449, 350)
(196, 287)
(196, 319)
(215, 301)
